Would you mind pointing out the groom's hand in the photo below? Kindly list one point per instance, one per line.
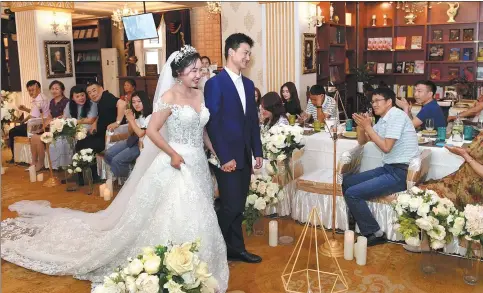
(229, 167)
(259, 162)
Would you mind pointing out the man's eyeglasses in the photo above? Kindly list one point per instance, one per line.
(376, 101)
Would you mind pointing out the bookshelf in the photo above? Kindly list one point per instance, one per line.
(437, 35)
(89, 38)
(337, 51)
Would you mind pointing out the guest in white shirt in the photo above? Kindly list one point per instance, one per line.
(320, 106)
(123, 153)
(272, 111)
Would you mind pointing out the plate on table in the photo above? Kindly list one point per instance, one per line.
(423, 140)
(309, 131)
(350, 134)
(461, 105)
(429, 132)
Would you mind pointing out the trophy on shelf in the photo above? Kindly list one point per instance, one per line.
(452, 11)
(373, 20)
(385, 20)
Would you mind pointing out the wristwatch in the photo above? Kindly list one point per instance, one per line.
(318, 107)
(118, 122)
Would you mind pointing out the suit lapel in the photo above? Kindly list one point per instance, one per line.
(232, 91)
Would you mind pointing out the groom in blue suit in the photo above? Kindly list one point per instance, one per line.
(235, 134)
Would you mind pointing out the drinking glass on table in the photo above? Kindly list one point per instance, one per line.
(429, 124)
(479, 124)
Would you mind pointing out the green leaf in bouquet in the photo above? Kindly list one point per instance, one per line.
(177, 279)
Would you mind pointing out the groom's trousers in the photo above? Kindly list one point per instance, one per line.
(233, 188)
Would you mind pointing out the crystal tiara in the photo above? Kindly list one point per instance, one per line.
(185, 51)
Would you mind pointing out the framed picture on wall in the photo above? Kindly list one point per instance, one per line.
(308, 53)
(58, 58)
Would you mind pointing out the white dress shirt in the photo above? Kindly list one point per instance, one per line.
(238, 81)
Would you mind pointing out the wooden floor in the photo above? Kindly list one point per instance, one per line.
(389, 267)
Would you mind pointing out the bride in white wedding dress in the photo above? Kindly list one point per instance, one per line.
(167, 198)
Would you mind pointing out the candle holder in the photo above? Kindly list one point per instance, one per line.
(373, 20)
(52, 181)
(385, 20)
(292, 278)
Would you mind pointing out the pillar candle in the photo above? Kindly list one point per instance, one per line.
(102, 187)
(3, 170)
(273, 233)
(356, 250)
(32, 174)
(40, 177)
(109, 185)
(349, 245)
(107, 194)
(362, 250)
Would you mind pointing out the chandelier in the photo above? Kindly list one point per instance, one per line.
(214, 7)
(59, 29)
(118, 14)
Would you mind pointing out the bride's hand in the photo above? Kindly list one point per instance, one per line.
(176, 161)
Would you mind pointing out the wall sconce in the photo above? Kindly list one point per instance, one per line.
(58, 29)
(315, 16)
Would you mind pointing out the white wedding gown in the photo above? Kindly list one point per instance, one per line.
(165, 204)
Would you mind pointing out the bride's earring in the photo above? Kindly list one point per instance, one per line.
(179, 81)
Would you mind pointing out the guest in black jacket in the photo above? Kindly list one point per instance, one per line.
(290, 98)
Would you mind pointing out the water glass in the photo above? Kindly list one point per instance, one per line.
(441, 133)
(348, 125)
(429, 124)
(317, 125)
(292, 119)
(468, 132)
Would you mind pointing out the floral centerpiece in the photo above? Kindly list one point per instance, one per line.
(473, 218)
(8, 108)
(279, 142)
(67, 128)
(162, 269)
(81, 160)
(263, 192)
(423, 210)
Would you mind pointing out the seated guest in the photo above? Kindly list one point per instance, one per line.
(206, 63)
(272, 111)
(80, 107)
(476, 112)
(120, 155)
(424, 91)
(110, 115)
(40, 104)
(464, 186)
(291, 101)
(319, 106)
(56, 107)
(395, 136)
(129, 88)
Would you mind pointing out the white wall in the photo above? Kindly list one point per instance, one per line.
(301, 27)
(43, 19)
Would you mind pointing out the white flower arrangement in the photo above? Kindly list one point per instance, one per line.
(263, 192)
(8, 108)
(280, 141)
(80, 160)
(60, 127)
(423, 210)
(170, 269)
(473, 223)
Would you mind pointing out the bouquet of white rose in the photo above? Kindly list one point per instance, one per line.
(81, 160)
(8, 110)
(68, 128)
(280, 141)
(473, 228)
(423, 210)
(162, 269)
(263, 192)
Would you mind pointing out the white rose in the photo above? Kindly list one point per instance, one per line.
(131, 284)
(70, 171)
(135, 267)
(438, 232)
(3, 93)
(148, 283)
(424, 224)
(74, 164)
(190, 281)
(416, 190)
(275, 200)
(251, 199)
(403, 199)
(281, 157)
(75, 157)
(260, 204)
(179, 260)
(47, 137)
(202, 271)
(152, 264)
(423, 210)
(413, 241)
(414, 203)
(272, 190)
(399, 210)
(148, 250)
(83, 152)
(269, 169)
(437, 244)
(449, 219)
(80, 135)
(253, 185)
(433, 221)
(173, 287)
(78, 169)
(211, 284)
(262, 186)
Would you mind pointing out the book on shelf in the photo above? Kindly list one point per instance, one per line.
(400, 43)
(82, 34)
(468, 54)
(410, 91)
(437, 35)
(435, 74)
(416, 42)
(409, 67)
(454, 54)
(370, 44)
(76, 33)
(480, 53)
(439, 93)
(436, 53)
(380, 68)
(371, 67)
(468, 34)
(453, 72)
(89, 33)
(468, 73)
(419, 66)
(388, 68)
(454, 35)
(399, 67)
(95, 34)
(479, 73)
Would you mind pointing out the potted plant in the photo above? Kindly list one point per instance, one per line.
(362, 76)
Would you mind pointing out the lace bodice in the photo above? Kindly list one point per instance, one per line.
(185, 125)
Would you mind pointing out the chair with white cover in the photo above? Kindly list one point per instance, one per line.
(119, 134)
(21, 148)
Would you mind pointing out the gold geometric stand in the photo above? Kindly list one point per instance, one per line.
(298, 279)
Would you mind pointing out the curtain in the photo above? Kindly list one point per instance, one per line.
(178, 30)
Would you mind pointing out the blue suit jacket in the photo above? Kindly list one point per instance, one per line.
(234, 134)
